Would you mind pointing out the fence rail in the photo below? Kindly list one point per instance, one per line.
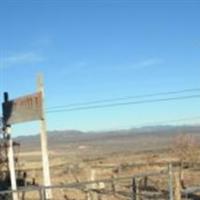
(135, 192)
(80, 185)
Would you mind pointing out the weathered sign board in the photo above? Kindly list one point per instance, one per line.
(23, 109)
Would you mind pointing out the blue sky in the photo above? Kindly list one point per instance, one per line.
(90, 50)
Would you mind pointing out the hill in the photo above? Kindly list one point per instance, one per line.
(143, 138)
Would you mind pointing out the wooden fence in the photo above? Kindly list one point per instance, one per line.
(138, 188)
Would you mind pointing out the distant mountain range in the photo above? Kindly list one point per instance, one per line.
(144, 136)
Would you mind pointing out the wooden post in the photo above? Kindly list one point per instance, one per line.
(145, 182)
(177, 188)
(11, 163)
(91, 195)
(94, 186)
(44, 145)
(113, 184)
(41, 194)
(93, 178)
(88, 195)
(135, 189)
(181, 175)
(10, 154)
(170, 182)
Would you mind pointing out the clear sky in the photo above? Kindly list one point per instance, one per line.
(92, 50)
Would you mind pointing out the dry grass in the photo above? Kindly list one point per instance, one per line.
(75, 162)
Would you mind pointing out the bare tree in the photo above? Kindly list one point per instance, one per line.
(185, 149)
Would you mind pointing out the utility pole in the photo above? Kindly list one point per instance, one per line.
(44, 145)
(10, 154)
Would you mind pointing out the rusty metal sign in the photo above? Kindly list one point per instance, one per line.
(23, 109)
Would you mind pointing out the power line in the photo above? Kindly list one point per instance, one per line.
(124, 98)
(125, 103)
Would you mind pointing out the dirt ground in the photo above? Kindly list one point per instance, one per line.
(85, 162)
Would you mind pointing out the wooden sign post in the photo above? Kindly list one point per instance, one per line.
(10, 154)
(170, 182)
(44, 146)
(11, 164)
(20, 110)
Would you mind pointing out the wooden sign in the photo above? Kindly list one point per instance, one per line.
(23, 109)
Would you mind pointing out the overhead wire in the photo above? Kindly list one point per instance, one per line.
(123, 98)
(125, 103)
